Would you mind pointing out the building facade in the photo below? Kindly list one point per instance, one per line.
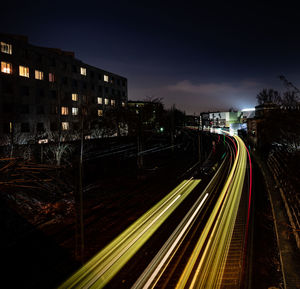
(47, 90)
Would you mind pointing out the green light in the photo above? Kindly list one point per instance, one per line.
(161, 129)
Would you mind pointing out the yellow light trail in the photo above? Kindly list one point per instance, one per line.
(206, 264)
(104, 266)
(153, 272)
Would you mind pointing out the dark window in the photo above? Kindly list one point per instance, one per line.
(74, 83)
(124, 83)
(40, 109)
(40, 92)
(24, 108)
(75, 125)
(84, 85)
(65, 81)
(7, 86)
(93, 87)
(66, 96)
(53, 109)
(106, 89)
(53, 94)
(74, 68)
(39, 58)
(53, 126)
(118, 82)
(25, 127)
(113, 92)
(84, 111)
(92, 74)
(7, 107)
(24, 90)
(40, 127)
(84, 98)
(100, 76)
(53, 62)
(25, 53)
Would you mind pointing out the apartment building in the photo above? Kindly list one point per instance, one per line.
(47, 89)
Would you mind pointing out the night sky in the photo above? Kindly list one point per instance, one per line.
(197, 56)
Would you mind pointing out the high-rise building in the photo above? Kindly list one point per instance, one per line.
(46, 89)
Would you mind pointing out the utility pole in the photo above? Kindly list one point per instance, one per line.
(11, 131)
(81, 195)
(172, 126)
(199, 142)
(139, 141)
(81, 185)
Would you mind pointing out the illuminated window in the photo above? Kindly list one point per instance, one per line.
(106, 101)
(6, 48)
(64, 110)
(74, 110)
(51, 77)
(99, 100)
(39, 75)
(112, 102)
(100, 112)
(23, 71)
(123, 104)
(82, 71)
(64, 125)
(74, 96)
(106, 78)
(6, 67)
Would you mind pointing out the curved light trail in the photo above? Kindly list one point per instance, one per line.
(206, 264)
(105, 265)
(155, 269)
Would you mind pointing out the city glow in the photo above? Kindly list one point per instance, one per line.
(248, 109)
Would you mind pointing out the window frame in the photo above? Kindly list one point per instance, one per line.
(99, 100)
(74, 96)
(64, 110)
(24, 71)
(5, 45)
(65, 125)
(51, 77)
(38, 74)
(83, 71)
(9, 71)
(75, 110)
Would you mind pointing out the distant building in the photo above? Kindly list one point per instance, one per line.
(192, 121)
(47, 89)
(231, 121)
(152, 108)
(148, 114)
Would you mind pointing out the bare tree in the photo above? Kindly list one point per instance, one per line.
(58, 148)
(269, 96)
